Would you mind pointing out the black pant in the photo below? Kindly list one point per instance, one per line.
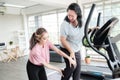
(35, 72)
(71, 71)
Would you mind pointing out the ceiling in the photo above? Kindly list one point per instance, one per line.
(35, 6)
(25, 3)
(29, 3)
(15, 6)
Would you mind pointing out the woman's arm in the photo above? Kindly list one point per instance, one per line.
(64, 32)
(64, 55)
(53, 67)
(67, 46)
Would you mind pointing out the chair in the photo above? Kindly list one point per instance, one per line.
(12, 54)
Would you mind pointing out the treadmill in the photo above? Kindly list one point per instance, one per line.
(98, 39)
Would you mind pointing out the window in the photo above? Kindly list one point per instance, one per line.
(51, 21)
(61, 17)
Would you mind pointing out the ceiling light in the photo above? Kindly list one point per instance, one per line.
(11, 5)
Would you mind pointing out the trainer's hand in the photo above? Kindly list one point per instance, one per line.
(72, 55)
(72, 62)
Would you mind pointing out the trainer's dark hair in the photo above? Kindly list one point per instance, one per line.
(76, 8)
(35, 36)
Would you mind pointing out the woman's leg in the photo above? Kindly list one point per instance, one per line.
(68, 70)
(32, 71)
(42, 74)
(76, 73)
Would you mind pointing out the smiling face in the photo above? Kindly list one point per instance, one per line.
(72, 16)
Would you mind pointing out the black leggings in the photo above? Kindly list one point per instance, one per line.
(35, 72)
(71, 71)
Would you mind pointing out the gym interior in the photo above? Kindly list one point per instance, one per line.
(20, 18)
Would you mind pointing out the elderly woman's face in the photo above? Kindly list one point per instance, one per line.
(72, 16)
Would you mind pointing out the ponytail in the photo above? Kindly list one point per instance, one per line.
(33, 41)
(36, 37)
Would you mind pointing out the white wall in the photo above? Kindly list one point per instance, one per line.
(8, 25)
(13, 10)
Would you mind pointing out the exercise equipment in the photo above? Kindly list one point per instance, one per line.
(101, 39)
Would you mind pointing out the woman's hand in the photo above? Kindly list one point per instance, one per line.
(54, 68)
(61, 72)
(72, 55)
(72, 62)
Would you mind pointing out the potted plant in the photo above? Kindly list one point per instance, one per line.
(87, 59)
(10, 42)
